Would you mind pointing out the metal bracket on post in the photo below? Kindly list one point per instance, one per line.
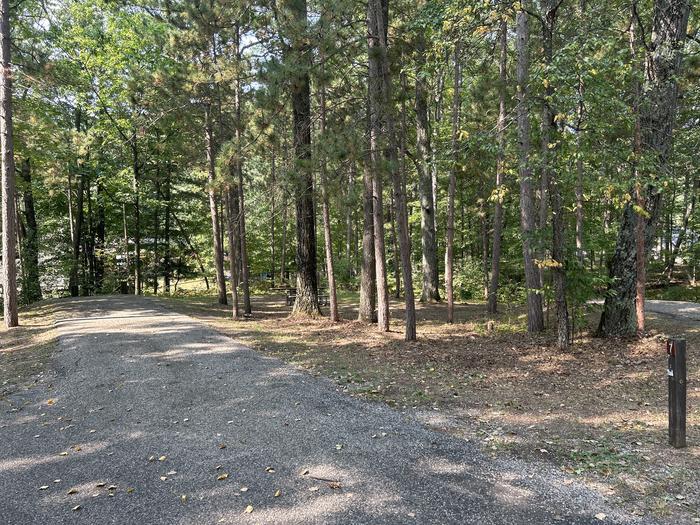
(676, 350)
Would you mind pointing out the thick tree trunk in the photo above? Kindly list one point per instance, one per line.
(214, 209)
(368, 284)
(528, 225)
(452, 186)
(430, 291)
(300, 92)
(657, 114)
(500, 170)
(9, 215)
(31, 284)
(384, 139)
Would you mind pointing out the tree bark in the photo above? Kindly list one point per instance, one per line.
(500, 169)
(232, 214)
(299, 56)
(657, 114)
(368, 284)
(452, 186)
(9, 215)
(528, 225)
(384, 135)
(328, 241)
(138, 280)
(31, 283)
(214, 209)
(430, 291)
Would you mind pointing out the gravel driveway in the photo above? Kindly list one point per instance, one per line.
(146, 416)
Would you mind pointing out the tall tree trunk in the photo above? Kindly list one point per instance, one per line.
(300, 92)
(238, 164)
(156, 235)
(368, 283)
(31, 284)
(273, 213)
(9, 215)
(283, 248)
(377, 162)
(500, 170)
(657, 118)
(349, 223)
(528, 225)
(167, 263)
(232, 214)
(74, 280)
(330, 270)
(138, 279)
(127, 258)
(549, 148)
(430, 291)
(214, 209)
(384, 139)
(452, 186)
(100, 232)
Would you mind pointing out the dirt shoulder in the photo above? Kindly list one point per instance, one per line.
(597, 412)
(25, 350)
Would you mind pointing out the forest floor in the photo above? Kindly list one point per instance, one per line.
(597, 412)
(146, 416)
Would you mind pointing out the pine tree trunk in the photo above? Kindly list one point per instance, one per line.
(167, 263)
(214, 209)
(368, 284)
(100, 232)
(74, 281)
(9, 215)
(657, 114)
(384, 135)
(528, 225)
(138, 280)
(232, 214)
(452, 186)
(500, 170)
(328, 241)
(31, 284)
(300, 92)
(430, 291)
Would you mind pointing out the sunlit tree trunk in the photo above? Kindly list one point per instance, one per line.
(452, 186)
(214, 209)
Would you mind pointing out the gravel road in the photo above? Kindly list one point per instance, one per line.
(148, 417)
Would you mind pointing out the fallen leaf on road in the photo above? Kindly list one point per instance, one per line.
(101, 484)
(183, 498)
(171, 473)
(601, 516)
(73, 491)
(270, 470)
(222, 445)
(43, 487)
(313, 489)
(278, 494)
(244, 489)
(164, 478)
(162, 458)
(248, 509)
(222, 477)
(335, 485)
(76, 508)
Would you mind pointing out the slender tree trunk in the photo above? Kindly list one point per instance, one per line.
(376, 161)
(657, 117)
(430, 291)
(31, 283)
(368, 283)
(214, 209)
(452, 186)
(232, 214)
(300, 91)
(283, 250)
(167, 262)
(138, 279)
(384, 133)
(127, 258)
(500, 170)
(9, 215)
(395, 248)
(549, 148)
(74, 281)
(535, 317)
(689, 200)
(273, 213)
(334, 316)
(100, 232)
(349, 209)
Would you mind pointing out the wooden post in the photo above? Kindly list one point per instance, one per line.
(675, 348)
